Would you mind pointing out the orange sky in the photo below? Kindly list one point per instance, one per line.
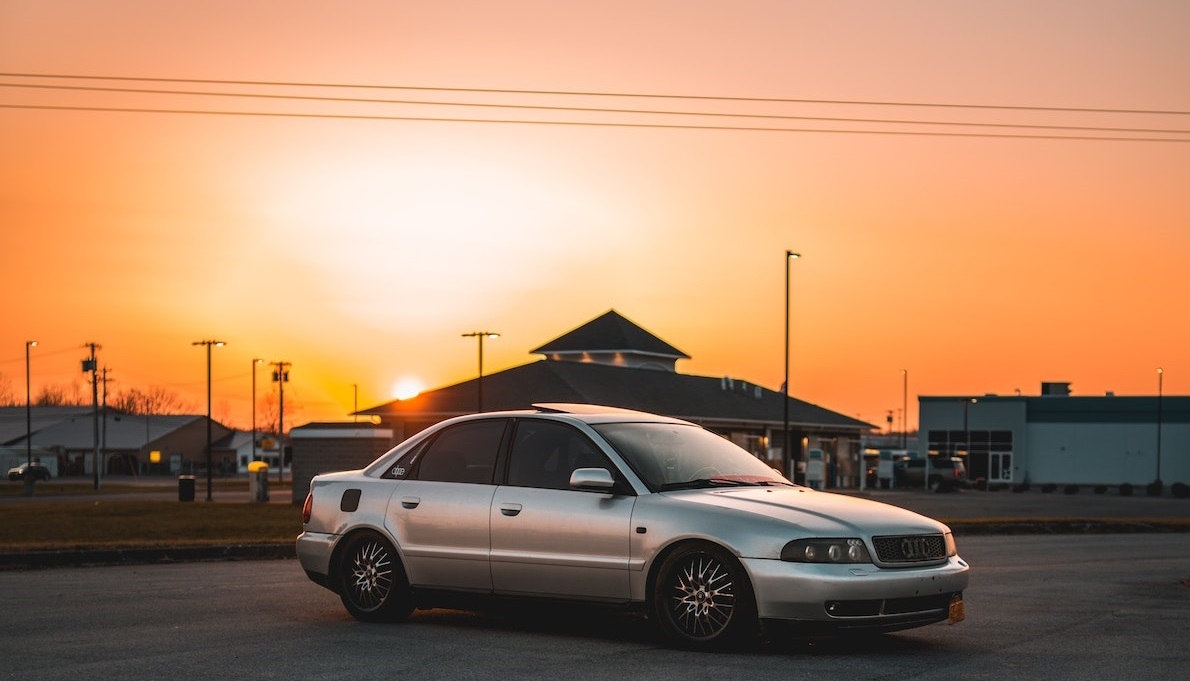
(360, 250)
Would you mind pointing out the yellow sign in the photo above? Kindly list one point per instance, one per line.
(155, 456)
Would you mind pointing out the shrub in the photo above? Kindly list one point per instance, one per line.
(1023, 487)
(1153, 489)
(1126, 490)
(1180, 490)
(1048, 487)
(1100, 489)
(1071, 489)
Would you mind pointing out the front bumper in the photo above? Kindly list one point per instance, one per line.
(856, 596)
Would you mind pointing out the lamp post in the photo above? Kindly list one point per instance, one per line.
(786, 449)
(255, 362)
(1160, 378)
(209, 344)
(28, 407)
(480, 335)
(30, 480)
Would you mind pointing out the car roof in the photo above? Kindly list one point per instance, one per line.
(586, 413)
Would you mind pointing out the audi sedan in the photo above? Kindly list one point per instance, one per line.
(582, 503)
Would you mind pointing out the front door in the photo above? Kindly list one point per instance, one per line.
(548, 539)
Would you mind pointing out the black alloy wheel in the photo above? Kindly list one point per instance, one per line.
(702, 598)
(372, 582)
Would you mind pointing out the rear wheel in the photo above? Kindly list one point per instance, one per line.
(702, 598)
(372, 582)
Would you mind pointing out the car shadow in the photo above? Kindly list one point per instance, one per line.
(622, 626)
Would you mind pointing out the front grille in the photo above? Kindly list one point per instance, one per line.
(910, 548)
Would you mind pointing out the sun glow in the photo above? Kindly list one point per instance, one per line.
(407, 387)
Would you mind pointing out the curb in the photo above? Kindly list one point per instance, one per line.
(140, 556)
(966, 528)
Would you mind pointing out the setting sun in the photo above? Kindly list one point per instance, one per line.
(407, 387)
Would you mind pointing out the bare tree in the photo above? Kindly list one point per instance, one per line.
(268, 412)
(156, 400)
(8, 394)
(59, 395)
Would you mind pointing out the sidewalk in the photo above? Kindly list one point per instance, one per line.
(979, 512)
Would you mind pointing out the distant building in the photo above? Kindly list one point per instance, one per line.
(612, 361)
(128, 443)
(1057, 438)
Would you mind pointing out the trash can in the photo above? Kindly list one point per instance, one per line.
(258, 482)
(185, 488)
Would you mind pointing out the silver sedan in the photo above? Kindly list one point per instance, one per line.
(585, 503)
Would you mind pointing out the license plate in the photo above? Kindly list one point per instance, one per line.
(957, 612)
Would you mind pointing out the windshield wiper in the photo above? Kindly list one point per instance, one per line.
(702, 483)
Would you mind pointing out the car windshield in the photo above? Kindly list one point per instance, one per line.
(677, 456)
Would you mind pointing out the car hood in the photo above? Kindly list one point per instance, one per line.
(821, 513)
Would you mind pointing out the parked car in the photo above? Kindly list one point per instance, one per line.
(586, 503)
(32, 471)
(945, 471)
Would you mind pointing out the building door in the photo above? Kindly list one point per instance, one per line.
(1000, 467)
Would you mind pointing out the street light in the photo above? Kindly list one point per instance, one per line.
(30, 479)
(209, 344)
(480, 335)
(255, 362)
(28, 408)
(786, 453)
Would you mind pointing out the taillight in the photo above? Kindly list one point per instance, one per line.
(307, 508)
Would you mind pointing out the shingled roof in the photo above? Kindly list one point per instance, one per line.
(700, 399)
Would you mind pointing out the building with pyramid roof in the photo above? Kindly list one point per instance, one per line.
(613, 361)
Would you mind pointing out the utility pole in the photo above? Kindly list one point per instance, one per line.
(480, 335)
(281, 377)
(92, 366)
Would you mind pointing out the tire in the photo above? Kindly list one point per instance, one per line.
(702, 598)
(371, 581)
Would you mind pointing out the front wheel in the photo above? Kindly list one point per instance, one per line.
(372, 582)
(702, 598)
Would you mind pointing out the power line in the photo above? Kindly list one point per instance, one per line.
(599, 124)
(776, 100)
(578, 109)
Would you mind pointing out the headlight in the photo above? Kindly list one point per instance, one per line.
(950, 547)
(826, 551)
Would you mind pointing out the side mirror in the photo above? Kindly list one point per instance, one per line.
(592, 480)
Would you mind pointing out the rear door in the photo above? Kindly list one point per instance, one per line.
(548, 539)
(440, 513)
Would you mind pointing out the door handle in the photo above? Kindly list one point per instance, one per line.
(510, 509)
(410, 502)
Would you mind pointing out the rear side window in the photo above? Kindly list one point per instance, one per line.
(463, 453)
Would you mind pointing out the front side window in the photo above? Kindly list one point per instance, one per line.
(545, 453)
(463, 453)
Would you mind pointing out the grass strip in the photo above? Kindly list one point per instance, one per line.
(101, 524)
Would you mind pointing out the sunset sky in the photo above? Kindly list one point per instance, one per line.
(358, 240)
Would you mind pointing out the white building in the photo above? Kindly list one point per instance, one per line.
(1056, 438)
